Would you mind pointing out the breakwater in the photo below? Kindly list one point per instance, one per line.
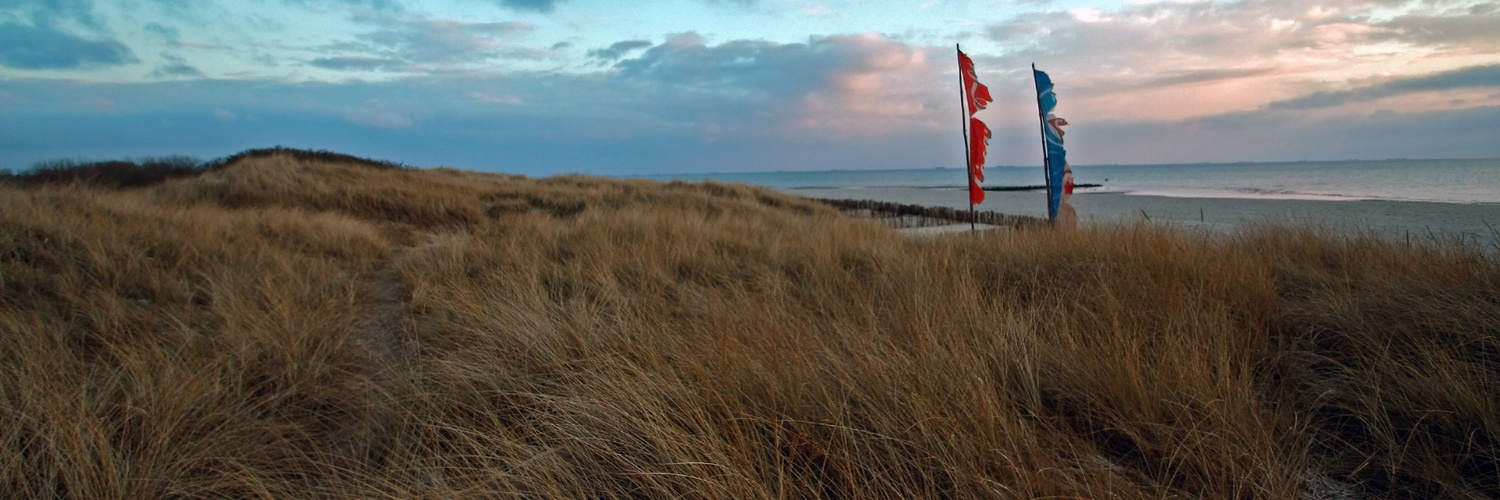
(901, 215)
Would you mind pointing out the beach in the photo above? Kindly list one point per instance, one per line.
(1398, 220)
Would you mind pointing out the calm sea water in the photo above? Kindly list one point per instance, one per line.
(1442, 181)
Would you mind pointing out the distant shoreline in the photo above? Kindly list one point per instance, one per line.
(1391, 219)
(1457, 181)
(1034, 188)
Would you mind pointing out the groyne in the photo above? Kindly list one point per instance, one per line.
(901, 215)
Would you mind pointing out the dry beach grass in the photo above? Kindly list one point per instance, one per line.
(291, 326)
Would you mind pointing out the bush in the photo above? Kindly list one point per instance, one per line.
(114, 173)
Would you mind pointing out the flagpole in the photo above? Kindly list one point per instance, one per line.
(963, 110)
(1046, 159)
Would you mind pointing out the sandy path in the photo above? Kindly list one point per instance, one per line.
(380, 351)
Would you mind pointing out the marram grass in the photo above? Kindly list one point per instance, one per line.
(282, 327)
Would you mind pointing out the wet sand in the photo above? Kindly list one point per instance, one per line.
(1392, 219)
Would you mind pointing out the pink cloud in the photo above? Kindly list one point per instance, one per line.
(1172, 61)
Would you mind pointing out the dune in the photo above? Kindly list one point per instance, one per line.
(288, 324)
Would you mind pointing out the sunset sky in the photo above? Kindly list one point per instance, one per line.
(612, 87)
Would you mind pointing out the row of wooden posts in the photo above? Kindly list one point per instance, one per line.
(908, 215)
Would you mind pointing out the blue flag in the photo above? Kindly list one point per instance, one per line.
(1057, 157)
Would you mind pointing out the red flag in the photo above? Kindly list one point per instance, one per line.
(976, 95)
(979, 143)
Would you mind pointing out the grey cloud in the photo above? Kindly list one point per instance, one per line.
(428, 43)
(166, 32)
(177, 69)
(1026, 29)
(353, 63)
(52, 12)
(1206, 75)
(377, 5)
(836, 84)
(543, 6)
(527, 54)
(687, 61)
(1475, 30)
(28, 47)
(176, 66)
(618, 50)
(177, 8)
(266, 60)
(1471, 77)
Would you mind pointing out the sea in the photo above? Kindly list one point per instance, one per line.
(1460, 181)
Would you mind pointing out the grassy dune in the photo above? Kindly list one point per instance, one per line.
(285, 326)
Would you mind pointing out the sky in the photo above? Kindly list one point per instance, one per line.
(610, 87)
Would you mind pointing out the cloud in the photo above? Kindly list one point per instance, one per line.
(376, 5)
(1204, 75)
(1475, 29)
(543, 6)
(493, 98)
(175, 67)
(1177, 37)
(175, 6)
(165, 32)
(1175, 60)
(704, 116)
(1471, 77)
(816, 9)
(55, 12)
(29, 47)
(416, 43)
(618, 50)
(863, 83)
(349, 63)
(1198, 35)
